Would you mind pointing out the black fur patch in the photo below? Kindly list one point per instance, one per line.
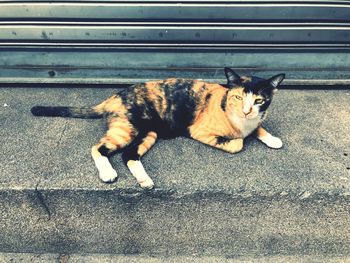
(264, 107)
(72, 112)
(207, 98)
(258, 86)
(222, 140)
(130, 152)
(223, 101)
(104, 151)
(181, 106)
(254, 85)
(51, 111)
(201, 91)
(179, 114)
(202, 106)
(262, 87)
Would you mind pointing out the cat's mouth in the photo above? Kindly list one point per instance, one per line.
(249, 116)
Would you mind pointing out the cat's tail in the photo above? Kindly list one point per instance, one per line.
(68, 112)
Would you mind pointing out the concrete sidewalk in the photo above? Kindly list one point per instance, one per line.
(48, 181)
(49, 153)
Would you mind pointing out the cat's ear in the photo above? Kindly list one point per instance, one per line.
(233, 79)
(275, 81)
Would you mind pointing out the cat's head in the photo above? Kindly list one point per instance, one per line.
(249, 97)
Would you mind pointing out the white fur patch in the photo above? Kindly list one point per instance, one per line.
(271, 141)
(248, 103)
(246, 126)
(137, 170)
(106, 172)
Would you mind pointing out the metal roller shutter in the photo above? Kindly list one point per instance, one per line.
(91, 41)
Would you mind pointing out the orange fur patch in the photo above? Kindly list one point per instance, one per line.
(157, 96)
(261, 132)
(112, 105)
(213, 120)
(147, 143)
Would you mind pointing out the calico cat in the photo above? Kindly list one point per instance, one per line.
(219, 116)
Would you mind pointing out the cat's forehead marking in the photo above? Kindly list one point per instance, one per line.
(249, 100)
(253, 84)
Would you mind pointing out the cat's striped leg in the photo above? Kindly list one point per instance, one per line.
(268, 139)
(119, 135)
(133, 153)
(231, 145)
(225, 144)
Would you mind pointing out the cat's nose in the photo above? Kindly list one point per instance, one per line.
(247, 111)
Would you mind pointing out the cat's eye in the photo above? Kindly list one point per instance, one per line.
(259, 101)
(238, 97)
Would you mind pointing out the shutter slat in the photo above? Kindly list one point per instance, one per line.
(238, 34)
(175, 12)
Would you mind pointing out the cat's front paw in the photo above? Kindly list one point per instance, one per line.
(148, 184)
(272, 141)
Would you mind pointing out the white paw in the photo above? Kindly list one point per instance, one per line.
(137, 170)
(108, 175)
(106, 172)
(272, 141)
(148, 184)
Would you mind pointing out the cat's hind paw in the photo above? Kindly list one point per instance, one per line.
(108, 175)
(106, 172)
(272, 141)
(148, 184)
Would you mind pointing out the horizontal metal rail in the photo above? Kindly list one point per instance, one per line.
(177, 46)
(224, 11)
(252, 34)
(107, 67)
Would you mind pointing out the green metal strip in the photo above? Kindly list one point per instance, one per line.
(132, 59)
(214, 11)
(130, 67)
(141, 34)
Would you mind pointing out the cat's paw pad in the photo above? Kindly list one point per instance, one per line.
(148, 184)
(273, 142)
(108, 175)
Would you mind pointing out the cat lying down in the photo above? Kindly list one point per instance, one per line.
(219, 116)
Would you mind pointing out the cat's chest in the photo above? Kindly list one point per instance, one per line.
(245, 126)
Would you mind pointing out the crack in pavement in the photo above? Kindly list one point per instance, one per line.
(62, 133)
(42, 202)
